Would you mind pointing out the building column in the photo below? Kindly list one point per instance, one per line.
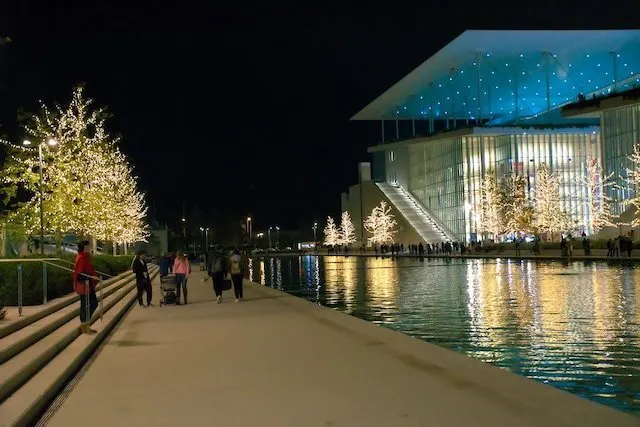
(382, 129)
(431, 110)
(614, 57)
(547, 81)
(479, 80)
(397, 129)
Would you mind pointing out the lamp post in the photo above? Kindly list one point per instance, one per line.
(315, 239)
(270, 228)
(249, 231)
(52, 143)
(277, 237)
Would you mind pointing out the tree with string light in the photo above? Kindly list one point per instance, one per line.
(491, 209)
(331, 233)
(516, 213)
(596, 200)
(347, 230)
(381, 224)
(549, 217)
(633, 181)
(87, 185)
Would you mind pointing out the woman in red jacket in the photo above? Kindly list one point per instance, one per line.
(84, 283)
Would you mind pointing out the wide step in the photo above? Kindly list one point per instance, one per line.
(39, 357)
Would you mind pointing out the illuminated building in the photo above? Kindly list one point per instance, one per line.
(492, 100)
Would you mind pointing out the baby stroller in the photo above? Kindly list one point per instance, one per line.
(168, 287)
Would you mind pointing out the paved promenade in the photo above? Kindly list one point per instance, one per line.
(276, 360)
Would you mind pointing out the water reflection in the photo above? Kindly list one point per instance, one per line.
(574, 326)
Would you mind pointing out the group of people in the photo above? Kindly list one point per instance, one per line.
(619, 247)
(219, 267)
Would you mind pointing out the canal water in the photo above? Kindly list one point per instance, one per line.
(574, 326)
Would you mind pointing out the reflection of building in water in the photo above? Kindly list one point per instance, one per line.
(331, 281)
(272, 272)
(278, 282)
(350, 282)
(382, 286)
(263, 279)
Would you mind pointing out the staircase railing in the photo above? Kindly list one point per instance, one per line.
(439, 226)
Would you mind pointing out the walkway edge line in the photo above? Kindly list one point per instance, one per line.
(31, 415)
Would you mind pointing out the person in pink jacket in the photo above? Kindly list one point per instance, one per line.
(181, 269)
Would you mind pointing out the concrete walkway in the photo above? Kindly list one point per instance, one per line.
(276, 360)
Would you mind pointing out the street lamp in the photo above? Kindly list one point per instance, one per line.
(315, 239)
(277, 237)
(270, 228)
(51, 143)
(249, 231)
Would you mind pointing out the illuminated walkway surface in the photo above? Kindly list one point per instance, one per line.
(276, 360)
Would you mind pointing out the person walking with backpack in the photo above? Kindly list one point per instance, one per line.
(218, 268)
(181, 269)
(237, 274)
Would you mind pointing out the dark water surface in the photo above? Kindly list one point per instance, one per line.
(575, 326)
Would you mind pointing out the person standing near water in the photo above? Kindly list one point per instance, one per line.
(84, 283)
(237, 274)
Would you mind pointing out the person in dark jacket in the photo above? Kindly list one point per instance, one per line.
(84, 283)
(218, 268)
(143, 281)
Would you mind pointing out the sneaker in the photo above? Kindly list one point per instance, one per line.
(219, 299)
(91, 331)
(237, 300)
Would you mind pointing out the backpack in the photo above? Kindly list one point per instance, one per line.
(235, 267)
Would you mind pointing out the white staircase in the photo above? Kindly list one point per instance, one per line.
(425, 224)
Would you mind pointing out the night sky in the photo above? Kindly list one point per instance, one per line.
(241, 109)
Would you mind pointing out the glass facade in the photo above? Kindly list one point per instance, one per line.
(436, 180)
(446, 175)
(621, 131)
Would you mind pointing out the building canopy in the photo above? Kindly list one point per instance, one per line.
(508, 76)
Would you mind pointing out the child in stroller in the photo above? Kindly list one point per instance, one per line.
(168, 287)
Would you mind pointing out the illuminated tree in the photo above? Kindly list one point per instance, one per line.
(331, 233)
(515, 211)
(596, 199)
(548, 214)
(633, 179)
(347, 230)
(490, 209)
(381, 224)
(87, 184)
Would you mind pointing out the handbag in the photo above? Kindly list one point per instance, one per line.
(226, 283)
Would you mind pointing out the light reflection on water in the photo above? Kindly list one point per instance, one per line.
(576, 327)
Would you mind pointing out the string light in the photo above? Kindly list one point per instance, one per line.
(331, 233)
(88, 187)
(347, 230)
(381, 224)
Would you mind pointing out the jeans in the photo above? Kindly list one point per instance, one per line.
(144, 285)
(181, 284)
(93, 304)
(237, 284)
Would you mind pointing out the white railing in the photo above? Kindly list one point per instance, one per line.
(427, 226)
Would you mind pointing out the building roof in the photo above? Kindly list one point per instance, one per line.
(591, 107)
(501, 76)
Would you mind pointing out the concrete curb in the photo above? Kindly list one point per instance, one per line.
(31, 414)
(65, 301)
(517, 392)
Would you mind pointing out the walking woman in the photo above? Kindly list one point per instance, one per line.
(217, 271)
(84, 283)
(237, 274)
(181, 269)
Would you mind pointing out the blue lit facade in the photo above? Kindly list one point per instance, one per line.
(497, 95)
